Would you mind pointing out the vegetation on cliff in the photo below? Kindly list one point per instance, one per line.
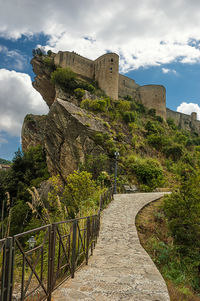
(169, 230)
(82, 131)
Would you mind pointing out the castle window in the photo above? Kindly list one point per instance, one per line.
(111, 70)
(73, 60)
(111, 60)
(124, 82)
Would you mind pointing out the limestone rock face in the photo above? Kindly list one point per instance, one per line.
(42, 81)
(67, 133)
(33, 131)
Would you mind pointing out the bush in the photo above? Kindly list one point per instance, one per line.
(123, 106)
(147, 171)
(182, 209)
(129, 116)
(79, 93)
(79, 192)
(65, 78)
(174, 151)
(158, 141)
(152, 112)
(97, 105)
(49, 63)
(159, 118)
(171, 123)
(153, 128)
(96, 165)
(128, 97)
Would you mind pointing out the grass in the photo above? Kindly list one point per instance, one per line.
(155, 239)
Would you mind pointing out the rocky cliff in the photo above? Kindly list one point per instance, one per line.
(42, 81)
(67, 133)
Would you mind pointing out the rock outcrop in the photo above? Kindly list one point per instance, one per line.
(67, 134)
(42, 81)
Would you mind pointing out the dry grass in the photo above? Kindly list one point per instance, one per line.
(150, 223)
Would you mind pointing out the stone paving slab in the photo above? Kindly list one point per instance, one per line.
(120, 269)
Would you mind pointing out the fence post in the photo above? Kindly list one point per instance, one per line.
(92, 236)
(99, 221)
(52, 242)
(73, 259)
(88, 239)
(7, 273)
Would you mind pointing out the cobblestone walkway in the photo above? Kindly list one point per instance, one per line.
(120, 269)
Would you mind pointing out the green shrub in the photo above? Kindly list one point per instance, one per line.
(141, 108)
(129, 116)
(49, 52)
(148, 171)
(97, 105)
(159, 118)
(49, 63)
(79, 192)
(128, 97)
(123, 106)
(99, 138)
(152, 112)
(182, 209)
(153, 128)
(85, 103)
(171, 123)
(181, 138)
(174, 151)
(158, 141)
(79, 93)
(65, 78)
(96, 165)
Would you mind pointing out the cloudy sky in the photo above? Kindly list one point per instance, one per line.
(158, 42)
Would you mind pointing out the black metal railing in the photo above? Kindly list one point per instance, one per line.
(61, 248)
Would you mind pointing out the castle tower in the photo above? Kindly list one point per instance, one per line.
(193, 116)
(106, 73)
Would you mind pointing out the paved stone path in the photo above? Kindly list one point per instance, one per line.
(120, 268)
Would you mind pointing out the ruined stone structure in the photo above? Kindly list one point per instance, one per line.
(105, 70)
(186, 122)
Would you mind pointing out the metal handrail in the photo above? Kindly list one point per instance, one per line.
(62, 247)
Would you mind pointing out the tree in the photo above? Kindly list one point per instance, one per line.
(79, 192)
(182, 209)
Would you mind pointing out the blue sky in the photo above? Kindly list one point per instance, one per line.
(158, 43)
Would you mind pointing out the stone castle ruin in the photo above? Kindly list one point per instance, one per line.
(105, 70)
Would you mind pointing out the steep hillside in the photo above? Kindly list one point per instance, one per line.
(83, 123)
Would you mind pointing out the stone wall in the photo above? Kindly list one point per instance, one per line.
(105, 69)
(127, 86)
(184, 121)
(154, 97)
(77, 63)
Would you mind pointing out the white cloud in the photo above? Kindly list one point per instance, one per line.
(188, 108)
(17, 98)
(12, 58)
(166, 70)
(144, 33)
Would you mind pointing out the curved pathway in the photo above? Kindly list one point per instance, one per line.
(120, 268)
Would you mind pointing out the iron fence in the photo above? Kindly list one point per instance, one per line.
(61, 248)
